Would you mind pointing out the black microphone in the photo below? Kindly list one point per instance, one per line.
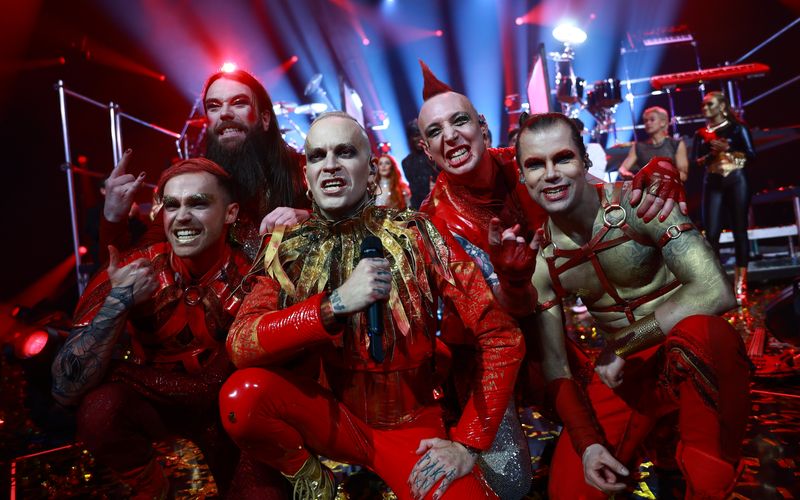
(372, 248)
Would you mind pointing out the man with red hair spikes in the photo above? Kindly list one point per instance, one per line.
(479, 188)
(162, 380)
(379, 406)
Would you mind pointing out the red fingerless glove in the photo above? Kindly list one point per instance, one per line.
(661, 178)
(513, 263)
(573, 408)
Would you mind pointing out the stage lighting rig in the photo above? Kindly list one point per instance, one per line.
(569, 34)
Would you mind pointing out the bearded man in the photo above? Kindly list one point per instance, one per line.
(243, 138)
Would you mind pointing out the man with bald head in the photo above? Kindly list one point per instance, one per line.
(378, 408)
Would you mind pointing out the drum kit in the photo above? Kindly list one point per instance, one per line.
(287, 111)
(602, 97)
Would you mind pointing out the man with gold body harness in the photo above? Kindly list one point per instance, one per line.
(654, 290)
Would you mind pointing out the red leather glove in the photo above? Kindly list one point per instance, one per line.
(662, 182)
(513, 260)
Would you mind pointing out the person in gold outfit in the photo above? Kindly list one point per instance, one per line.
(378, 406)
(724, 148)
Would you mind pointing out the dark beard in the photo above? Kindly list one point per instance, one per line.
(245, 163)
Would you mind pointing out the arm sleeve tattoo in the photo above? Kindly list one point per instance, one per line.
(84, 358)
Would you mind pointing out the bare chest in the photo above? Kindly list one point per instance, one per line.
(628, 269)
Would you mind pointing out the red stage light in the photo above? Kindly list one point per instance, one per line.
(228, 67)
(365, 41)
(83, 250)
(31, 344)
(163, 78)
(15, 312)
(439, 33)
(294, 59)
(518, 21)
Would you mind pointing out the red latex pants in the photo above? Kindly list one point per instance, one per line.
(281, 419)
(659, 382)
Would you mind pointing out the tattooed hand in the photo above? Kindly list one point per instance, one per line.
(442, 463)
(370, 282)
(137, 277)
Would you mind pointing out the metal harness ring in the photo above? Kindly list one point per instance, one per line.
(673, 232)
(611, 208)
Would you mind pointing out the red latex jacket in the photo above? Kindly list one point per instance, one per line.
(388, 394)
(186, 321)
(466, 211)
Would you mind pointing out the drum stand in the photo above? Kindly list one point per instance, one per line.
(604, 123)
(115, 116)
(569, 88)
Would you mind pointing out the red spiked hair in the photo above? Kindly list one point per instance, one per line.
(432, 85)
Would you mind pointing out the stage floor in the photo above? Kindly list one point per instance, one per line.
(39, 460)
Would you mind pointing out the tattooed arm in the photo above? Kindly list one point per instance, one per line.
(704, 286)
(263, 335)
(704, 290)
(83, 360)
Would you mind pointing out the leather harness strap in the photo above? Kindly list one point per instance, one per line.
(589, 253)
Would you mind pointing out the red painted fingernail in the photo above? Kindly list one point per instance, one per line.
(662, 218)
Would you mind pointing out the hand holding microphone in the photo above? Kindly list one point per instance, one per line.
(370, 283)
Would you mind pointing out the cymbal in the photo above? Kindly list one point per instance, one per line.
(284, 106)
(313, 84)
(314, 108)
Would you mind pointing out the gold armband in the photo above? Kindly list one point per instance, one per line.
(637, 337)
